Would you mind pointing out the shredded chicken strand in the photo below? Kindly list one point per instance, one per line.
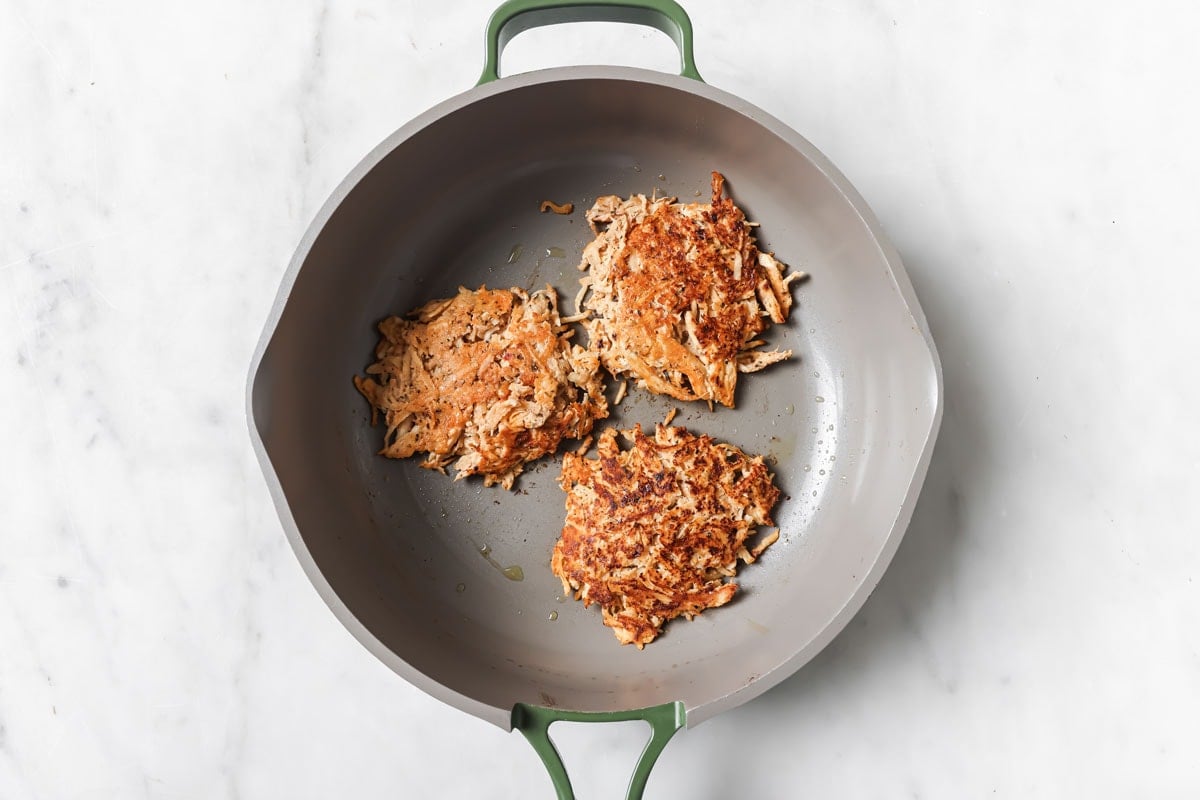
(557, 208)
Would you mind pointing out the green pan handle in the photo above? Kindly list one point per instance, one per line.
(534, 722)
(521, 15)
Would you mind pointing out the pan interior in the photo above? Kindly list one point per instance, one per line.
(456, 203)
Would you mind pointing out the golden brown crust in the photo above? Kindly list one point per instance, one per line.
(486, 380)
(652, 532)
(677, 294)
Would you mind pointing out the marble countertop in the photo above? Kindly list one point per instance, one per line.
(1038, 634)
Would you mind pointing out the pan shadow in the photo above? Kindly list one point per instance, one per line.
(891, 621)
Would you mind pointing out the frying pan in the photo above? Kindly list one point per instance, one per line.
(424, 570)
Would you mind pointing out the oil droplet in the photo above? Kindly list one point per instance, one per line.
(830, 428)
(560, 599)
(555, 252)
(808, 467)
(819, 399)
(833, 458)
(789, 409)
(662, 177)
(513, 573)
(814, 492)
(462, 587)
(637, 168)
(514, 255)
(552, 616)
(820, 472)
(814, 430)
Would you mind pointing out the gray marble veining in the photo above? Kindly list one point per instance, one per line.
(1038, 635)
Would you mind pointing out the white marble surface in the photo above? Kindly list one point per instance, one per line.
(1038, 635)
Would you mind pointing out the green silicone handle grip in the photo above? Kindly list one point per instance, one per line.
(534, 723)
(520, 15)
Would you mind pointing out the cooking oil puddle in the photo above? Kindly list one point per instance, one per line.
(514, 255)
(513, 573)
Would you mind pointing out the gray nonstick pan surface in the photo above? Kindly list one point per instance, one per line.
(419, 567)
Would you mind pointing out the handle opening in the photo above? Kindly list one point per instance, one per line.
(617, 44)
(516, 16)
(534, 724)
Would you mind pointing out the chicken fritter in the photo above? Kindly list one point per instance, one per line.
(653, 532)
(676, 294)
(487, 380)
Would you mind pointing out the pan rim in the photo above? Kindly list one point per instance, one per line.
(805, 651)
